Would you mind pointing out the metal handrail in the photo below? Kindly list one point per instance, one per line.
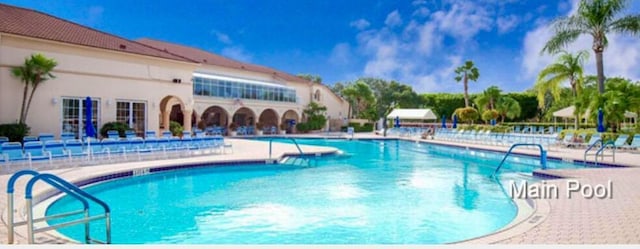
(601, 151)
(591, 146)
(290, 138)
(65, 187)
(543, 156)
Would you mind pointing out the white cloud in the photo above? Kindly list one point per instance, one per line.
(360, 24)
(429, 38)
(621, 57)
(237, 53)
(507, 23)
(421, 12)
(222, 37)
(393, 19)
(418, 2)
(464, 20)
(340, 54)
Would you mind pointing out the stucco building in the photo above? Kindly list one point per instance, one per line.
(145, 83)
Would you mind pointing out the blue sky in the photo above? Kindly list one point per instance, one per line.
(417, 42)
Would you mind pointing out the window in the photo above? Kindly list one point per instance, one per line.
(244, 90)
(73, 115)
(132, 113)
(316, 96)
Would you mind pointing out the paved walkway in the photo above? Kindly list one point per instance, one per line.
(553, 221)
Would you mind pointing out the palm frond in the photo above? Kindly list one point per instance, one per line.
(627, 24)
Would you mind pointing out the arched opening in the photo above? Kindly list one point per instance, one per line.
(269, 120)
(178, 116)
(244, 119)
(289, 121)
(171, 109)
(215, 119)
(316, 96)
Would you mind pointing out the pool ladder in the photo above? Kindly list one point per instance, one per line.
(290, 138)
(62, 186)
(543, 156)
(600, 151)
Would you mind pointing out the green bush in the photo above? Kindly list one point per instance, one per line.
(302, 127)
(467, 114)
(175, 128)
(15, 132)
(118, 126)
(367, 127)
(489, 115)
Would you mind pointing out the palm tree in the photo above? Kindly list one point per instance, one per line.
(567, 68)
(35, 70)
(488, 98)
(359, 96)
(595, 18)
(465, 73)
(508, 107)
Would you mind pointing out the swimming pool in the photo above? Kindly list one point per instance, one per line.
(377, 192)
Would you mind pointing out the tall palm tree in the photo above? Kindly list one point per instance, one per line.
(465, 73)
(595, 18)
(567, 68)
(489, 98)
(360, 96)
(35, 70)
(508, 107)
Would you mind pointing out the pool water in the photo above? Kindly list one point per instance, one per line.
(376, 192)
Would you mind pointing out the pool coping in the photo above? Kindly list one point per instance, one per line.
(517, 226)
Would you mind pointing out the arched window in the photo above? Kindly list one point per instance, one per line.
(316, 96)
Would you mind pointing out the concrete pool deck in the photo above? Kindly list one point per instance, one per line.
(554, 221)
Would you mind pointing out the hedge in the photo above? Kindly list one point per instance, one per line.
(15, 132)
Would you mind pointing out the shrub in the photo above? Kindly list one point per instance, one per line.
(302, 127)
(15, 132)
(118, 126)
(176, 128)
(467, 114)
(489, 115)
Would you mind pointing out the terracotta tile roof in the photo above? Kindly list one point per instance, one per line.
(208, 58)
(31, 23)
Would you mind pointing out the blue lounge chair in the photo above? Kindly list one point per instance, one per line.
(34, 150)
(43, 137)
(635, 143)
(56, 149)
(135, 146)
(4, 139)
(114, 147)
(186, 134)
(12, 152)
(29, 139)
(75, 149)
(129, 134)
(621, 141)
(167, 134)
(148, 134)
(67, 136)
(113, 134)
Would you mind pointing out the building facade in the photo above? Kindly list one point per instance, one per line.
(145, 84)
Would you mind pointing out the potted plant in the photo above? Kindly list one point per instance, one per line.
(259, 127)
(283, 128)
(232, 129)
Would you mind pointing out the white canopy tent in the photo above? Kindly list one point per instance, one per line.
(412, 114)
(567, 113)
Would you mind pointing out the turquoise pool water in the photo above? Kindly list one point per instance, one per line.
(377, 192)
